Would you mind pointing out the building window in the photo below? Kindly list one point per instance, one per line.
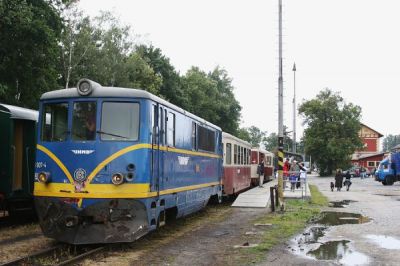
(371, 164)
(377, 163)
(228, 154)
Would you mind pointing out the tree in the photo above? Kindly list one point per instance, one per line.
(29, 35)
(78, 42)
(210, 96)
(252, 134)
(271, 142)
(390, 141)
(171, 87)
(228, 108)
(243, 134)
(331, 136)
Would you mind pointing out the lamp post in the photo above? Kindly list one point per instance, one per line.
(294, 108)
(280, 115)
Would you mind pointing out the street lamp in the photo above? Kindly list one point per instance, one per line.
(294, 108)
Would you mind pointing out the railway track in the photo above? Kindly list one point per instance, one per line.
(62, 254)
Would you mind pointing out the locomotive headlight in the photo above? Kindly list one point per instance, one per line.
(86, 86)
(44, 177)
(117, 179)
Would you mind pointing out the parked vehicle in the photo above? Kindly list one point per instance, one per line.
(356, 171)
(17, 158)
(388, 170)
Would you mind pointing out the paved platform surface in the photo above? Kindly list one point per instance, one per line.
(259, 197)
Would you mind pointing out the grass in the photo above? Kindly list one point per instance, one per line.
(286, 224)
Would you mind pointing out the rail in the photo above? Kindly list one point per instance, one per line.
(57, 255)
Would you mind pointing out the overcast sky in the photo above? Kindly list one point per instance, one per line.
(348, 46)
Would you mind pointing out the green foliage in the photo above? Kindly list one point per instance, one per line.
(270, 142)
(210, 96)
(390, 141)
(243, 134)
(253, 134)
(29, 35)
(332, 130)
(171, 87)
(50, 44)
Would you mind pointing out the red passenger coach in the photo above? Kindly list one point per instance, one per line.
(236, 164)
(258, 155)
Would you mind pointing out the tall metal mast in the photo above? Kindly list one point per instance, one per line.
(280, 114)
(294, 108)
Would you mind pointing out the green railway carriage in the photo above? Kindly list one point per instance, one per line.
(17, 158)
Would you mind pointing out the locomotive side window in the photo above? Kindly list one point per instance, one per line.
(171, 129)
(120, 121)
(55, 122)
(206, 139)
(228, 155)
(194, 136)
(84, 121)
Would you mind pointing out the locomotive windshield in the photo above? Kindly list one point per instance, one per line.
(119, 121)
(55, 122)
(84, 121)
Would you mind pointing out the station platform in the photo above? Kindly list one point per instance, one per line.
(259, 197)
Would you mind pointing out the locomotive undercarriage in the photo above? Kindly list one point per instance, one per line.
(106, 221)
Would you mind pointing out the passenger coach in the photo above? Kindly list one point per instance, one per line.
(113, 163)
(236, 176)
(257, 156)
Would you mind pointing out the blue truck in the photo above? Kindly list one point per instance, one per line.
(388, 170)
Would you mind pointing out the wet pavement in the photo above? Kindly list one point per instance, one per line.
(359, 228)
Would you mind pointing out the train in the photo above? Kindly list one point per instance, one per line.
(17, 159)
(113, 163)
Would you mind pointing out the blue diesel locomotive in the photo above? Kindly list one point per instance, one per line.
(113, 163)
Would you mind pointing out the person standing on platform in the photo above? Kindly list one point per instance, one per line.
(260, 171)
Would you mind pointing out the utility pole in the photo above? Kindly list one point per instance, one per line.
(280, 115)
(294, 108)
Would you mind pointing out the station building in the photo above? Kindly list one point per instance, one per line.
(370, 156)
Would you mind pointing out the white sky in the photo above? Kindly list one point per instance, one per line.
(348, 46)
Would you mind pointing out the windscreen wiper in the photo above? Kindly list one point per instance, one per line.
(110, 134)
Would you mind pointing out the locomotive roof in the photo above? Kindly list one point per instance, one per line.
(229, 136)
(17, 112)
(119, 92)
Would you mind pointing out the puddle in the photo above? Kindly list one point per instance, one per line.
(387, 242)
(340, 204)
(338, 251)
(332, 250)
(339, 218)
(311, 235)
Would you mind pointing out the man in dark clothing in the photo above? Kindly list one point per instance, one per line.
(338, 179)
